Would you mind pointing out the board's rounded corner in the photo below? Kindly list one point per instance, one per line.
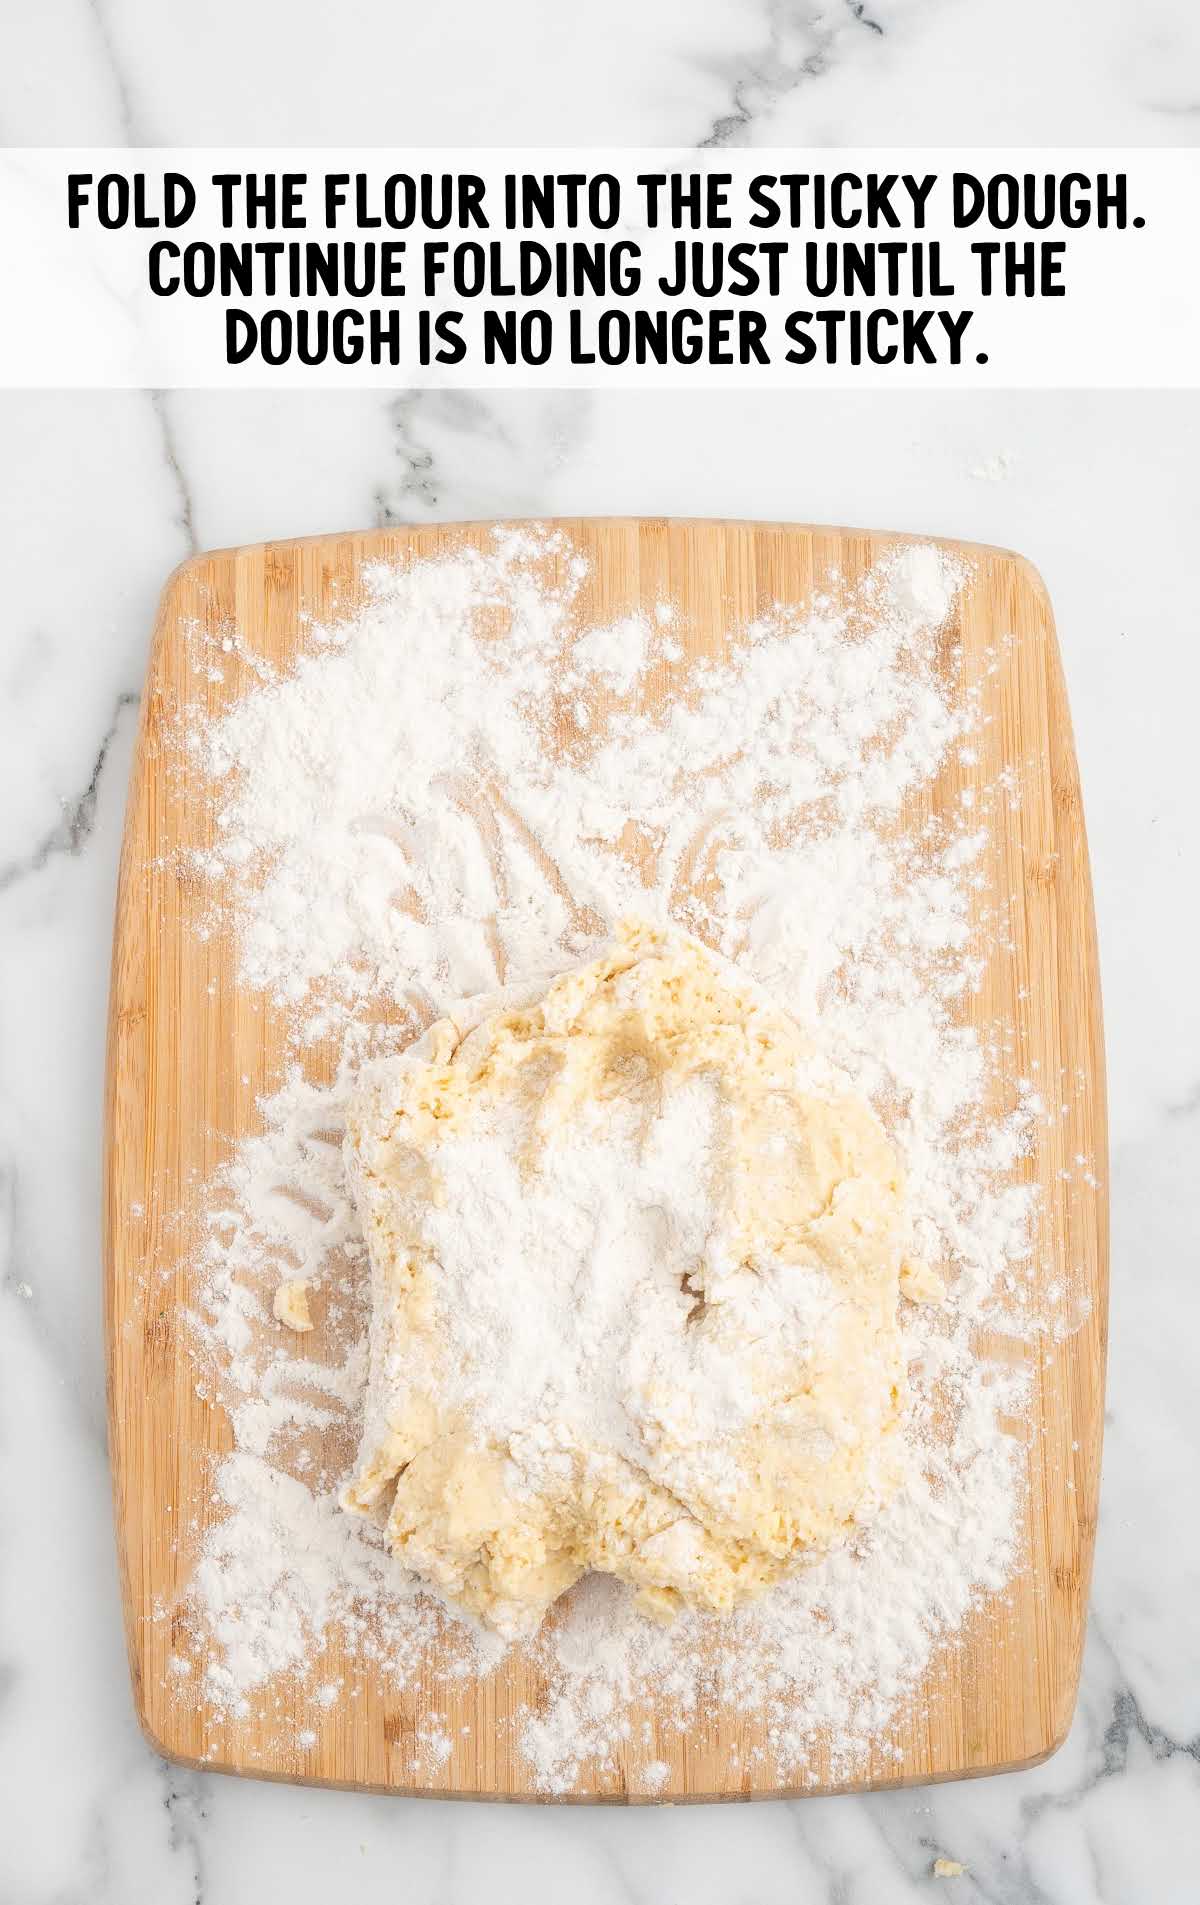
(1029, 1762)
(186, 579)
(160, 1742)
(1029, 573)
(1025, 570)
(191, 565)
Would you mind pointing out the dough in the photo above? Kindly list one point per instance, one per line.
(290, 1305)
(635, 1254)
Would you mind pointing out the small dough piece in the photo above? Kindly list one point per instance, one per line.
(635, 1253)
(290, 1305)
(919, 1283)
(948, 1868)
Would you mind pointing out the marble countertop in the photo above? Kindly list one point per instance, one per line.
(667, 72)
(101, 494)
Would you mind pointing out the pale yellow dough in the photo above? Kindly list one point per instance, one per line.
(748, 1417)
(290, 1305)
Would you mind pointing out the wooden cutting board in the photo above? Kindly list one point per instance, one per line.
(188, 1059)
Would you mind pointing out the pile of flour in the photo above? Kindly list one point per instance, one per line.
(462, 785)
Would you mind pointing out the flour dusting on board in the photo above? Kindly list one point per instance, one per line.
(462, 785)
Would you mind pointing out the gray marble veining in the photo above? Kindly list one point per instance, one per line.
(819, 72)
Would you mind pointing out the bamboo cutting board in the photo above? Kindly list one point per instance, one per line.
(187, 1062)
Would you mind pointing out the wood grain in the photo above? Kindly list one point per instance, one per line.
(189, 1055)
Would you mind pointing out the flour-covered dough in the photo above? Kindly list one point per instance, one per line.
(636, 1254)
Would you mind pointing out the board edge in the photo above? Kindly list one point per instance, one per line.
(115, 1061)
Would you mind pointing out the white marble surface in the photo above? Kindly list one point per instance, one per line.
(637, 72)
(100, 496)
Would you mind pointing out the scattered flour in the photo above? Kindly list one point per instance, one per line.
(460, 786)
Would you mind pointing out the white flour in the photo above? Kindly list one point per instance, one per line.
(459, 786)
(532, 1347)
